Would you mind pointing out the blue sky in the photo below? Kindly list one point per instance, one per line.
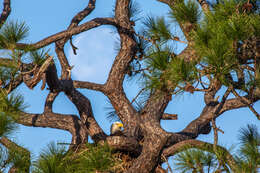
(95, 57)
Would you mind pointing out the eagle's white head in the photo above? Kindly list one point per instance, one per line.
(116, 128)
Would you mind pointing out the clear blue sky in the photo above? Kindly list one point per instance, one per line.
(95, 56)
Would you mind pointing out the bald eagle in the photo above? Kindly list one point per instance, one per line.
(116, 129)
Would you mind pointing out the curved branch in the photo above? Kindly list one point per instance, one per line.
(184, 145)
(49, 102)
(86, 115)
(32, 82)
(82, 14)
(68, 33)
(114, 85)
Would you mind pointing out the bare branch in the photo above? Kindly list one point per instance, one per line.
(88, 85)
(68, 33)
(247, 102)
(236, 103)
(166, 116)
(59, 45)
(6, 11)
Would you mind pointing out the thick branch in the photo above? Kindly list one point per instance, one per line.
(82, 14)
(122, 143)
(88, 85)
(86, 115)
(114, 85)
(157, 104)
(69, 123)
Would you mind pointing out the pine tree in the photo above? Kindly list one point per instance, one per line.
(222, 54)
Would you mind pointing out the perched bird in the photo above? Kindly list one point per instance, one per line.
(116, 129)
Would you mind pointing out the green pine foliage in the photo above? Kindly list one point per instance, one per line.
(157, 29)
(168, 71)
(249, 153)
(10, 108)
(20, 159)
(92, 158)
(217, 37)
(219, 40)
(51, 160)
(184, 12)
(7, 125)
(11, 105)
(247, 157)
(194, 160)
(38, 56)
(11, 33)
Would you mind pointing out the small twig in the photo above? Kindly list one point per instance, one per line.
(178, 39)
(74, 48)
(137, 95)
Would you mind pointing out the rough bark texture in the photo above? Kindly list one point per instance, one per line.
(143, 135)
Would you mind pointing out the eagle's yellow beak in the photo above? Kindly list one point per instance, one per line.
(120, 125)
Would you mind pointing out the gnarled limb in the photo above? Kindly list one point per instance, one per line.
(86, 115)
(69, 123)
(114, 85)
